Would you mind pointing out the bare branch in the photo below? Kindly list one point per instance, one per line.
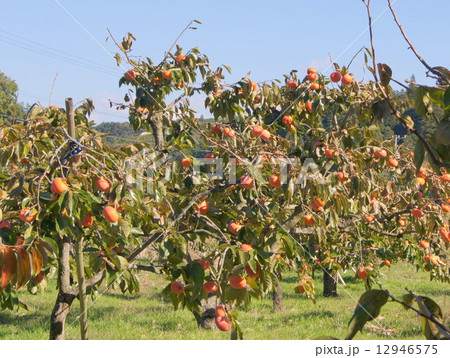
(411, 46)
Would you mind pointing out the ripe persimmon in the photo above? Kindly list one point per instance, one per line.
(88, 220)
(177, 287)
(315, 86)
(228, 132)
(210, 287)
(167, 75)
(247, 182)
(257, 130)
(237, 282)
(216, 128)
(234, 227)
(275, 181)
(26, 215)
(186, 162)
(335, 76)
(382, 153)
(203, 208)
(417, 213)
(287, 120)
(223, 323)
(209, 157)
(362, 273)
(221, 311)
(180, 58)
(445, 208)
(252, 86)
(130, 75)
(250, 272)
(292, 84)
(265, 135)
(315, 207)
(110, 214)
(420, 181)
(309, 220)
(5, 224)
(342, 177)
(102, 184)
(59, 186)
(246, 247)
(312, 77)
(204, 263)
(347, 79)
(329, 153)
(445, 234)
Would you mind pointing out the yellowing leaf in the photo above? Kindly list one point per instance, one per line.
(251, 283)
(368, 308)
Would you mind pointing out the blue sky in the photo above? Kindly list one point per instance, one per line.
(269, 38)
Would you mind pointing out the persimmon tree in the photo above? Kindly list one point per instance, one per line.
(56, 190)
(273, 188)
(294, 193)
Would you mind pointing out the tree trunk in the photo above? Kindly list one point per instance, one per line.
(158, 133)
(65, 294)
(277, 297)
(329, 283)
(206, 319)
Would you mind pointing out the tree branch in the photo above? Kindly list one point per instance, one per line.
(428, 315)
(394, 111)
(411, 46)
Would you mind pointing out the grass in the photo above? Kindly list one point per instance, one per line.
(148, 315)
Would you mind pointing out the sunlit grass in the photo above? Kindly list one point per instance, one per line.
(148, 315)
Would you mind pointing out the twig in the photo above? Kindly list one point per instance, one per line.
(356, 54)
(442, 328)
(51, 91)
(411, 46)
(401, 84)
(203, 231)
(400, 234)
(150, 268)
(394, 111)
(173, 45)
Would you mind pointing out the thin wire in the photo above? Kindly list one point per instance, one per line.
(56, 56)
(86, 31)
(58, 51)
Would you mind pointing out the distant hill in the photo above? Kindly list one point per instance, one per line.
(120, 133)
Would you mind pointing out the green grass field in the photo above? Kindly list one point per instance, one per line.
(149, 315)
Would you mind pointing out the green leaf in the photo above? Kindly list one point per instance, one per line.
(436, 95)
(385, 74)
(429, 328)
(422, 101)
(368, 308)
(197, 274)
(125, 226)
(447, 97)
(442, 139)
(419, 154)
(228, 68)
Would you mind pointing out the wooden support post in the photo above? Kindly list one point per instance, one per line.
(78, 245)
